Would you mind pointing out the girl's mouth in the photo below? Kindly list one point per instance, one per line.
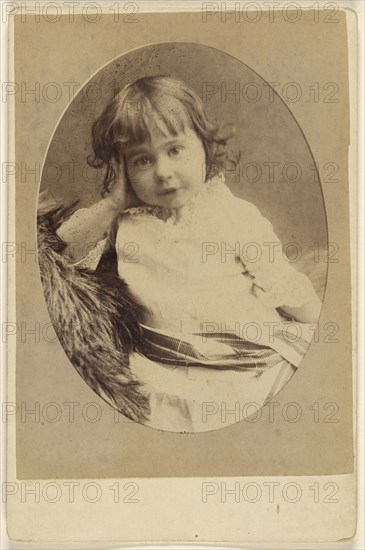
(169, 191)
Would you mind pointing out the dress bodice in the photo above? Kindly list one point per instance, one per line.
(206, 264)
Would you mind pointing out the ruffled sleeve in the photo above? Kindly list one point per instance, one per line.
(276, 282)
(92, 258)
(92, 252)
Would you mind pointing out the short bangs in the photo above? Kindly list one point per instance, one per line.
(138, 115)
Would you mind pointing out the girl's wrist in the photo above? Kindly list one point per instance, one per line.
(113, 204)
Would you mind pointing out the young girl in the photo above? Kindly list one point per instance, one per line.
(216, 290)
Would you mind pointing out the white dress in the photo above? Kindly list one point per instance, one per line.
(214, 265)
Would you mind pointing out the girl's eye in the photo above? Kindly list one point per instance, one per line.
(175, 150)
(142, 162)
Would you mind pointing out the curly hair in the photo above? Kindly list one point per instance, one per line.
(166, 101)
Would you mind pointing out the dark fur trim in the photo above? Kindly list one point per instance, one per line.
(94, 317)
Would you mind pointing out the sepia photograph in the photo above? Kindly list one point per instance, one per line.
(192, 278)
(182, 333)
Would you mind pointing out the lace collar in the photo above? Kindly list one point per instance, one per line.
(184, 212)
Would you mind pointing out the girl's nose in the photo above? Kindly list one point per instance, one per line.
(163, 169)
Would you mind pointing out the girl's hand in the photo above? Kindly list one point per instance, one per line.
(121, 194)
(309, 313)
(89, 225)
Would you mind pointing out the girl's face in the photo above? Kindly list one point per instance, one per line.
(168, 170)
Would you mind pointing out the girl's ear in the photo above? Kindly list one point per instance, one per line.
(208, 163)
(119, 171)
(114, 163)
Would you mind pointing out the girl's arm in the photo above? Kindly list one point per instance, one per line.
(276, 281)
(87, 226)
(309, 305)
(309, 313)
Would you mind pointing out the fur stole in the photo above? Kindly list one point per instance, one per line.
(94, 317)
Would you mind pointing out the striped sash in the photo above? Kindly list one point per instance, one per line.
(225, 351)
